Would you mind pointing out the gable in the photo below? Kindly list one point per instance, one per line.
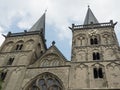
(52, 57)
(51, 60)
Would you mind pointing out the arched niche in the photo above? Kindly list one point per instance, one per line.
(55, 63)
(113, 73)
(81, 56)
(107, 38)
(45, 63)
(14, 78)
(109, 54)
(98, 76)
(8, 46)
(45, 81)
(81, 75)
(29, 44)
(80, 40)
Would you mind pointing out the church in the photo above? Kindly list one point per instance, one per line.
(27, 64)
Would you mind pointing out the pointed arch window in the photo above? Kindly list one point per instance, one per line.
(98, 72)
(96, 56)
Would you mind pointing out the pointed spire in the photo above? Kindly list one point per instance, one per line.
(39, 25)
(90, 17)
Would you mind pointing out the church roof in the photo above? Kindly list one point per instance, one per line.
(90, 17)
(39, 25)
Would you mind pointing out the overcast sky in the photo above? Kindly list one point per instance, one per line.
(20, 15)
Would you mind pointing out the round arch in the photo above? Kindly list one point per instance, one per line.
(44, 81)
(8, 46)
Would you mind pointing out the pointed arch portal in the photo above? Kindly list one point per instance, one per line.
(45, 81)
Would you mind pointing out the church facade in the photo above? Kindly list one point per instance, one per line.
(27, 64)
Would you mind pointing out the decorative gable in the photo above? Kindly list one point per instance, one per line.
(52, 57)
(50, 60)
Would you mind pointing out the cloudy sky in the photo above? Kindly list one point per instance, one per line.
(20, 15)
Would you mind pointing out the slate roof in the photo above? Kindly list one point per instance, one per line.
(39, 25)
(90, 17)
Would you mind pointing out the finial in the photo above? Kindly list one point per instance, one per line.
(45, 10)
(53, 43)
(88, 6)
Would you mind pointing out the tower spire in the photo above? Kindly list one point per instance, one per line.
(90, 17)
(88, 6)
(39, 25)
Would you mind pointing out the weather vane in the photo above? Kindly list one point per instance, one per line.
(88, 6)
(46, 10)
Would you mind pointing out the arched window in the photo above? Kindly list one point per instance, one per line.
(96, 56)
(93, 40)
(10, 61)
(95, 71)
(3, 75)
(19, 47)
(46, 81)
(8, 46)
(29, 44)
(98, 72)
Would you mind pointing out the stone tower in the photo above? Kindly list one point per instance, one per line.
(20, 50)
(27, 64)
(95, 48)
